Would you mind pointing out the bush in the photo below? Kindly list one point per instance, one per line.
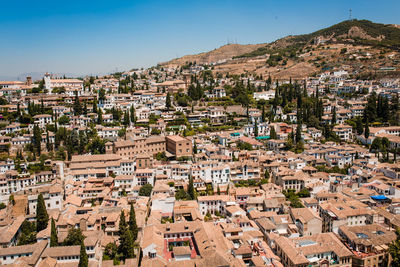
(145, 190)
(63, 120)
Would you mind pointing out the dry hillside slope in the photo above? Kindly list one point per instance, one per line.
(222, 53)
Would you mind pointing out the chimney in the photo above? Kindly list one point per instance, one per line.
(28, 80)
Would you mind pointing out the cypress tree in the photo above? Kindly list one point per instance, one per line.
(42, 218)
(49, 146)
(266, 174)
(366, 130)
(272, 133)
(168, 101)
(263, 114)
(126, 118)
(125, 239)
(37, 138)
(53, 236)
(94, 108)
(359, 126)
(194, 148)
(191, 189)
(77, 105)
(99, 117)
(132, 223)
(298, 133)
(83, 257)
(132, 114)
(41, 106)
(85, 110)
(255, 129)
(334, 115)
(394, 249)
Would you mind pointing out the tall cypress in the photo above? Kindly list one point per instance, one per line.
(366, 130)
(168, 101)
(132, 222)
(37, 138)
(255, 129)
(49, 146)
(132, 114)
(191, 189)
(83, 257)
(126, 118)
(263, 114)
(53, 236)
(194, 148)
(42, 218)
(125, 239)
(334, 115)
(272, 133)
(77, 105)
(99, 117)
(298, 133)
(94, 107)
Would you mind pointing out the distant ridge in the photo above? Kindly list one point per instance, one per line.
(360, 32)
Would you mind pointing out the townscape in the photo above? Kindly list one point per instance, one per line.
(188, 165)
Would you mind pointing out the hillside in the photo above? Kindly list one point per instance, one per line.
(222, 53)
(360, 32)
(359, 45)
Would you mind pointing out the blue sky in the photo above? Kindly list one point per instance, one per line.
(89, 37)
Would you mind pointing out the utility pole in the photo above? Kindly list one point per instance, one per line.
(350, 14)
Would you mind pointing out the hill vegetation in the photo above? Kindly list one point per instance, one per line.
(358, 32)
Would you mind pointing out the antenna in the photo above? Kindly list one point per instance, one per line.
(350, 14)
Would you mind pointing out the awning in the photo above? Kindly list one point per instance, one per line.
(379, 197)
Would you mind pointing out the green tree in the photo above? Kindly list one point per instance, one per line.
(263, 113)
(191, 190)
(37, 138)
(255, 129)
(132, 223)
(110, 251)
(394, 250)
(266, 174)
(366, 130)
(63, 120)
(145, 190)
(83, 257)
(334, 115)
(132, 114)
(125, 239)
(126, 119)
(77, 105)
(94, 107)
(272, 133)
(11, 199)
(27, 233)
(84, 108)
(168, 101)
(99, 116)
(194, 148)
(74, 237)
(49, 146)
(181, 194)
(53, 236)
(298, 133)
(304, 193)
(42, 218)
(359, 126)
(102, 95)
